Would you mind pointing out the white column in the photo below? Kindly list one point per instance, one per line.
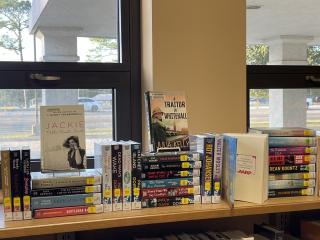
(288, 107)
(58, 44)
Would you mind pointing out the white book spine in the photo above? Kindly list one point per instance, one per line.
(107, 179)
(126, 176)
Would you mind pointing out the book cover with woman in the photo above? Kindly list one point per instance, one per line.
(62, 138)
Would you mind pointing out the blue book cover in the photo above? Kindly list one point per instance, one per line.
(292, 141)
(229, 168)
(65, 200)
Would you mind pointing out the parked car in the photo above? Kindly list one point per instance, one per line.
(309, 101)
(89, 104)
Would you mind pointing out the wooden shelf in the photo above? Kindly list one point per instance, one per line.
(151, 216)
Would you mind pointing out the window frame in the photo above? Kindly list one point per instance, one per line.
(123, 77)
(280, 76)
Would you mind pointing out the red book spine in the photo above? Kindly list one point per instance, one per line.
(290, 159)
(60, 212)
(167, 192)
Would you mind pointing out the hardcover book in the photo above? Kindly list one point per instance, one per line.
(62, 138)
(167, 120)
(285, 132)
(251, 183)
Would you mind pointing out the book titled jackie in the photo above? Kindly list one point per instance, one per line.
(167, 120)
(62, 138)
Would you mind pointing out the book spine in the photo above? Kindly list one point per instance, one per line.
(65, 201)
(292, 150)
(67, 211)
(48, 192)
(16, 184)
(291, 192)
(171, 166)
(107, 178)
(292, 176)
(275, 160)
(136, 176)
(170, 192)
(288, 184)
(117, 177)
(206, 170)
(292, 168)
(292, 141)
(66, 182)
(286, 132)
(171, 157)
(26, 208)
(217, 169)
(150, 137)
(176, 182)
(6, 184)
(126, 176)
(170, 201)
(150, 175)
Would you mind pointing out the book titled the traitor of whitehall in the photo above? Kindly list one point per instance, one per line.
(62, 138)
(167, 120)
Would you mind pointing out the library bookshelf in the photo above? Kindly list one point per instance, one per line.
(152, 216)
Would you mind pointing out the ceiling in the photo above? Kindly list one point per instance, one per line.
(95, 18)
(282, 17)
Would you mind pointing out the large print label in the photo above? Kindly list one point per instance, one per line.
(246, 164)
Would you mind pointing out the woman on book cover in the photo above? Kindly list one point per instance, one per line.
(76, 155)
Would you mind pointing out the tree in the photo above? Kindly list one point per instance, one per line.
(104, 47)
(313, 55)
(14, 18)
(257, 54)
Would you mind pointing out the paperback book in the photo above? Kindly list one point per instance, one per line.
(62, 138)
(167, 120)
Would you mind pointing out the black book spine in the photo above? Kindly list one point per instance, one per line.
(16, 180)
(136, 176)
(289, 169)
(26, 183)
(171, 166)
(152, 175)
(168, 201)
(48, 192)
(117, 177)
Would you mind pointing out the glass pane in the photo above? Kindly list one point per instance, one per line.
(59, 31)
(285, 107)
(19, 114)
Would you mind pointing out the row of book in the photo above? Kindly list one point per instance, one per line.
(260, 232)
(292, 161)
(16, 183)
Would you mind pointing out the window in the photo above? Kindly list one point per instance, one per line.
(283, 96)
(108, 84)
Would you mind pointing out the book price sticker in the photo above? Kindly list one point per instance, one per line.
(107, 193)
(117, 192)
(184, 173)
(185, 165)
(92, 209)
(183, 182)
(246, 164)
(7, 203)
(90, 181)
(217, 186)
(127, 192)
(184, 201)
(184, 157)
(207, 186)
(308, 132)
(89, 199)
(89, 189)
(191, 190)
(136, 191)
